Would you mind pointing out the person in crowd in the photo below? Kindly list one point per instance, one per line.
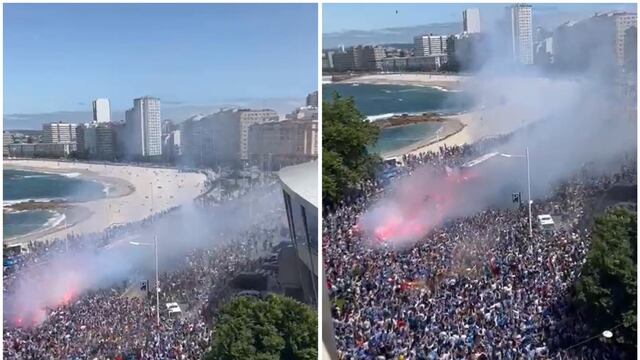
(474, 287)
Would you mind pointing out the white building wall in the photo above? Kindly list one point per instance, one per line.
(58, 132)
(471, 21)
(426, 45)
(145, 127)
(248, 118)
(101, 110)
(623, 22)
(521, 33)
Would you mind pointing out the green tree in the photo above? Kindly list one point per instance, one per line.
(606, 290)
(345, 137)
(274, 328)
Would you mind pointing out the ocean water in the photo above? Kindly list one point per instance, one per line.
(23, 186)
(401, 136)
(381, 101)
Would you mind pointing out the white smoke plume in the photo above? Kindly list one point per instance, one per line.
(66, 275)
(566, 120)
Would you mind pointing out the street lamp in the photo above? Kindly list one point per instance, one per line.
(155, 245)
(528, 185)
(607, 334)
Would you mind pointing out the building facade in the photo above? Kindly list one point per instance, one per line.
(520, 33)
(371, 57)
(471, 21)
(144, 127)
(96, 140)
(344, 61)
(544, 52)
(414, 63)
(427, 45)
(105, 141)
(327, 60)
(222, 137)
(249, 118)
(101, 110)
(300, 191)
(277, 144)
(361, 58)
(597, 44)
(624, 22)
(59, 132)
(631, 50)
(7, 139)
(45, 150)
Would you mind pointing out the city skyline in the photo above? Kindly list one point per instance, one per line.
(92, 51)
(352, 24)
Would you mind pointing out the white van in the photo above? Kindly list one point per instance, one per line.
(173, 309)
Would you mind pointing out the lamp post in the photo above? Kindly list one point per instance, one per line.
(528, 184)
(155, 245)
(607, 334)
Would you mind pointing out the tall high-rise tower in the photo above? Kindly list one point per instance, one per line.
(471, 21)
(144, 127)
(101, 110)
(520, 33)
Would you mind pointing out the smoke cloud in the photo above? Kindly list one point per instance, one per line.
(567, 120)
(66, 275)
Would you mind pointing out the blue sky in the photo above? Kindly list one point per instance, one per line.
(61, 57)
(343, 17)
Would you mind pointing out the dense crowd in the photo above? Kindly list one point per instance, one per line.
(118, 323)
(474, 286)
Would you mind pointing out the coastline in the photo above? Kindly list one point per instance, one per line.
(449, 127)
(496, 115)
(481, 123)
(439, 81)
(66, 216)
(115, 187)
(133, 194)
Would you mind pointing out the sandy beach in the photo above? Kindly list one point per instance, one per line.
(134, 193)
(450, 127)
(503, 112)
(479, 124)
(447, 82)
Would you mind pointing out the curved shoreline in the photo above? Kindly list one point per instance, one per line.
(134, 193)
(121, 187)
(449, 128)
(70, 216)
(71, 213)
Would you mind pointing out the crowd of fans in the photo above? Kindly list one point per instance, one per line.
(119, 322)
(474, 287)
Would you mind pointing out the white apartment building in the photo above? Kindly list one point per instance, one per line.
(222, 137)
(144, 127)
(520, 33)
(248, 118)
(471, 21)
(623, 22)
(101, 110)
(283, 143)
(59, 132)
(426, 45)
